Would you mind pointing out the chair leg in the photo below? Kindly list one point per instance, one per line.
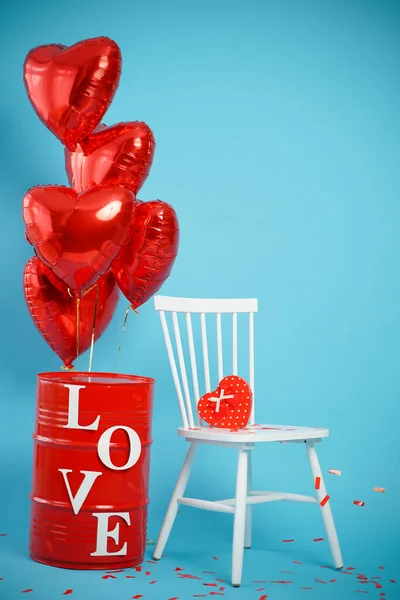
(239, 517)
(174, 505)
(326, 508)
(248, 527)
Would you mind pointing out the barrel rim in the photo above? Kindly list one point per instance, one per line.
(67, 376)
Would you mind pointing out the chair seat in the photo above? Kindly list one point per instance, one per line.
(253, 434)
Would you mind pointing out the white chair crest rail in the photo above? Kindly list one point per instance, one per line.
(243, 440)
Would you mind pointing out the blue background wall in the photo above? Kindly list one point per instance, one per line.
(278, 139)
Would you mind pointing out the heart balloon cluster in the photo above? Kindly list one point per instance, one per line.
(95, 236)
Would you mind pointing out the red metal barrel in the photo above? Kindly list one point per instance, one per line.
(91, 470)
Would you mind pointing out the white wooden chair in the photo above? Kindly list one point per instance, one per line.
(243, 440)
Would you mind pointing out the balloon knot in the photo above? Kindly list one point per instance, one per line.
(67, 367)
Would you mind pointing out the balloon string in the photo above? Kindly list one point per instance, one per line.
(122, 333)
(93, 328)
(78, 302)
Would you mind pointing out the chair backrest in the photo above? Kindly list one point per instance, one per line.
(193, 307)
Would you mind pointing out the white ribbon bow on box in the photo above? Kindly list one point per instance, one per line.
(219, 398)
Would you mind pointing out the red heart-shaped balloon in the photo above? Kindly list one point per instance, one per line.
(71, 88)
(121, 154)
(78, 236)
(147, 260)
(54, 311)
(229, 406)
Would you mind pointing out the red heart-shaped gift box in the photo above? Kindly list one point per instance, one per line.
(229, 406)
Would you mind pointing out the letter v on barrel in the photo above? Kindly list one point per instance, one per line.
(83, 490)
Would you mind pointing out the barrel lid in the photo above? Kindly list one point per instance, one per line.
(78, 377)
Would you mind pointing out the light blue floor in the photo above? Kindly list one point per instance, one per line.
(263, 571)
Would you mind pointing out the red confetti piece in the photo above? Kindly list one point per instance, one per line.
(283, 581)
(3, 534)
(297, 562)
(332, 580)
(214, 557)
(383, 568)
(221, 588)
(287, 541)
(320, 581)
(260, 589)
(130, 576)
(109, 577)
(154, 581)
(137, 596)
(392, 580)
(378, 586)
(350, 569)
(139, 568)
(379, 490)
(317, 483)
(210, 584)
(26, 591)
(153, 562)
(324, 500)
(359, 502)
(67, 592)
(263, 597)
(376, 577)
(179, 569)
(147, 573)
(221, 580)
(116, 571)
(187, 576)
(318, 540)
(174, 598)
